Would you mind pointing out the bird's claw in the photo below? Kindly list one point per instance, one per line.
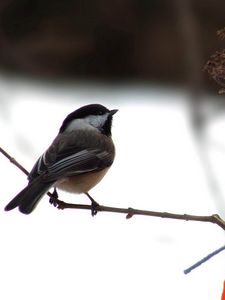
(94, 208)
(94, 205)
(54, 198)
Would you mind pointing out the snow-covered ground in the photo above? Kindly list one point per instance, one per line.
(54, 254)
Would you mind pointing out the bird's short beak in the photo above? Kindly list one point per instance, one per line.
(113, 111)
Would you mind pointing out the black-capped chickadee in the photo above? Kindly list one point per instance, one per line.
(77, 159)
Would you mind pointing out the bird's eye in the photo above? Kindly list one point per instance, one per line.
(100, 113)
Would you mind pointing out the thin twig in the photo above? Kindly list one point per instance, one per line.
(204, 259)
(130, 212)
(13, 161)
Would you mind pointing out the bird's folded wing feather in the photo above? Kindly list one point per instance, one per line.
(71, 160)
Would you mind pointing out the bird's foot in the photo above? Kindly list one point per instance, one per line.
(53, 199)
(94, 205)
(94, 208)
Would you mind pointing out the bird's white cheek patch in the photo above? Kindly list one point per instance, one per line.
(90, 122)
(97, 121)
(78, 124)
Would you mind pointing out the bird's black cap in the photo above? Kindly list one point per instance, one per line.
(84, 111)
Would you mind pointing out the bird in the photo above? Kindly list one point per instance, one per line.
(77, 160)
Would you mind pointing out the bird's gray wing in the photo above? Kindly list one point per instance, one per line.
(70, 163)
(72, 154)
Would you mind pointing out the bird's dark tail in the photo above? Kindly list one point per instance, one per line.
(29, 197)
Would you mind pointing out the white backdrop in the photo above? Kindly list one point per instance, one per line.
(54, 254)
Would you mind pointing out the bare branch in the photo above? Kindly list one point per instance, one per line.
(13, 161)
(130, 212)
(204, 259)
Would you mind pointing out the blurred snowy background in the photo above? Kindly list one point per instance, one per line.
(144, 58)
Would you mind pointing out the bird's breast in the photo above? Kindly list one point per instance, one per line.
(81, 183)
